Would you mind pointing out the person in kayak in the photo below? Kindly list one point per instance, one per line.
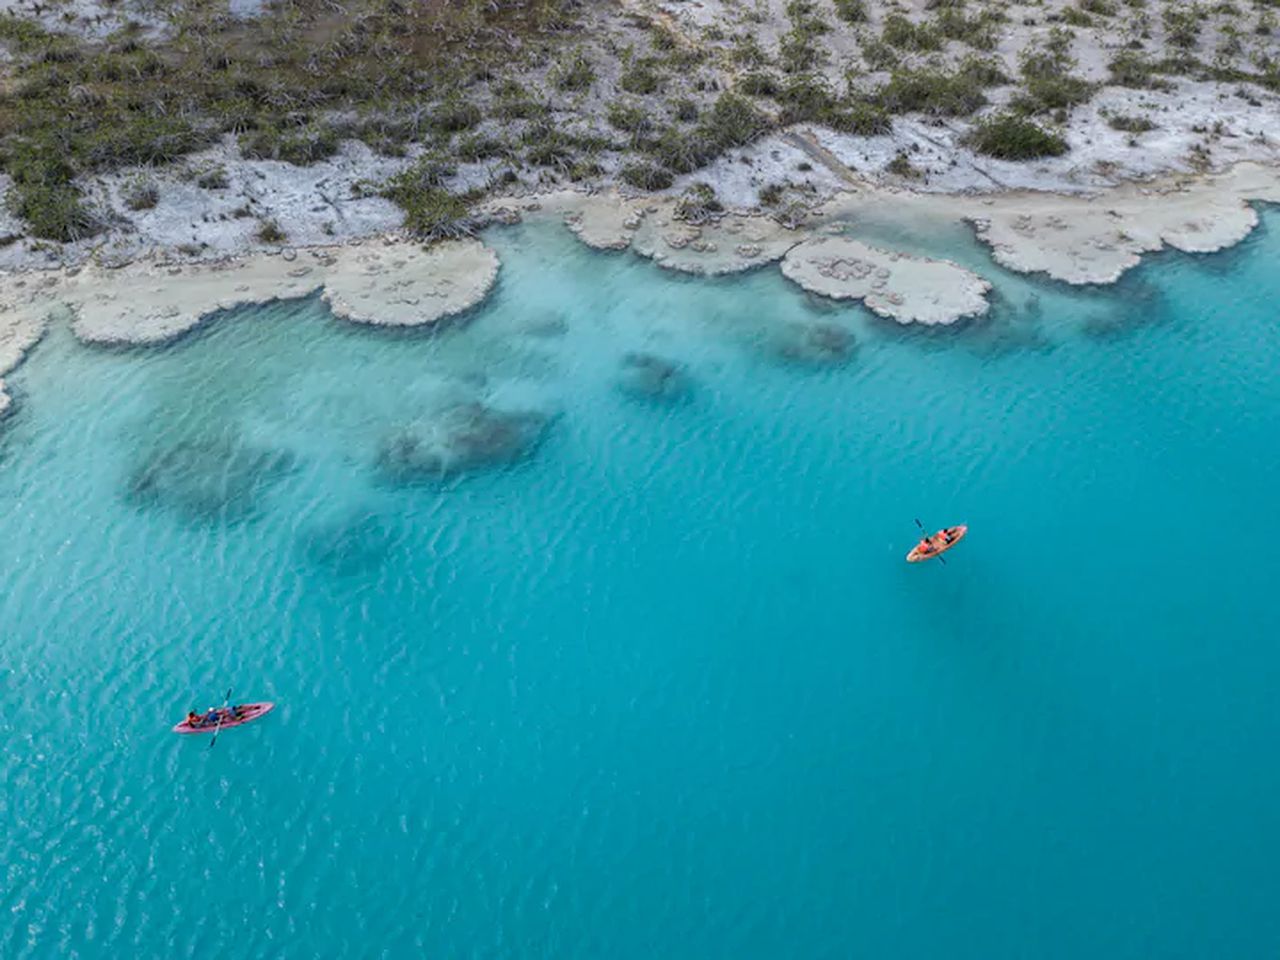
(211, 716)
(237, 712)
(193, 719)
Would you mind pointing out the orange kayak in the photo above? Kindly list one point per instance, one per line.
(938, 544)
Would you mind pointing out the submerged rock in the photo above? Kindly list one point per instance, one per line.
(219, 477)
(549, 324)
(815, 343)
(462, 439)
(651, 377)
(353, 544)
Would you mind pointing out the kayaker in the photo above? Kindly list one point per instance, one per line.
(193, 719)
(211, 716)
(237, 712)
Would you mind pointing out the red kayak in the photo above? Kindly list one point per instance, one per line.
(230, 716)
(938, 544)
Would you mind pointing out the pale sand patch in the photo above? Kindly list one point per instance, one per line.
(390, 282)
(728, 244)
(1083, 241)
(146, 302)
(1091, 238)
(403, 285)
(22, 324)
(605, 222)
(904, 288)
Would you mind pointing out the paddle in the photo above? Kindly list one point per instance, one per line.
(941, 559)
(222, 715)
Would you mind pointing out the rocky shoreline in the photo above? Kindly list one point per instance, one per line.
(392, 281)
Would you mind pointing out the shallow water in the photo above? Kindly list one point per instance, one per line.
(663, 687)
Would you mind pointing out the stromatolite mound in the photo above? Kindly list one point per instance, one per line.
(814, 343)
(217, 477)
(461, 439)
(649, 377)
(351, 544)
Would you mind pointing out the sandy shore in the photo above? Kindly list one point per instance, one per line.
(1075, 238)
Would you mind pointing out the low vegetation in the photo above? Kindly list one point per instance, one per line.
(1008, 136)
(932, 92)
(1127, 123)
(504, 91)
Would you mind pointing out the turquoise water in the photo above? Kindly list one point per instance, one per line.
(663, 687)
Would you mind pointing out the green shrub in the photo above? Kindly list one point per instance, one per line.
(640, 78)
(851, 11)
(54, 211)
(770, 194)
(43, 193)
(1045, 94)
(901, 166)
(300, 146)
(902, 33)
(455, 114)
(797, 53)
(979, 31)
(430, 212)
(747, 52)
(1182, 24)
(430, 170)
(1051, 58)
(859, 118)
(805, 18)
(804, 98)
(931, 92)
(585, 170)
(575, 73)
(548, 145)
(983, 71)
(474, 148)
(1131, 69)
(134, 139)
(879, 55)
(1103, 8)
(698, 204)
(214, 179)
(663, 40)
(140, 195)
(518, 108)
(645, 176)
(732, 122)
(26, 36)
(629, 117)
(685, 110)
(1127, 123)
(1076, 17)
(269, 232)
(677, 150)
(1008, 136)
(759, 84)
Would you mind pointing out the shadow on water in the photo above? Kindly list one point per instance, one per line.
(445, 445)
(650, 378)
(1224, 263)
(214, 475)
(214, 323)
(1131, 305)
(351, 545)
